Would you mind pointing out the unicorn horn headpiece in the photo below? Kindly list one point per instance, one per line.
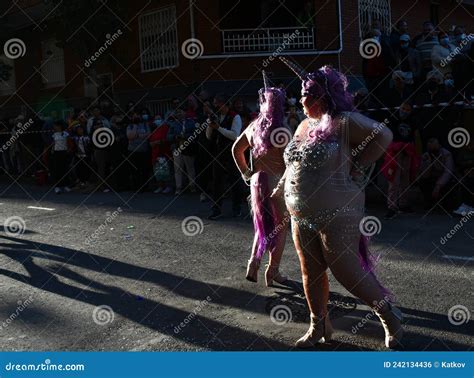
(297, 69)
(266, 81)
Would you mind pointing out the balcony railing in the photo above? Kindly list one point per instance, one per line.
(267, 40)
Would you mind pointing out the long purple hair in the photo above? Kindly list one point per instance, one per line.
(329, 85)
(264, 214)
(270, 118)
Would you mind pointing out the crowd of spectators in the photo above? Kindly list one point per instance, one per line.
(188, 149)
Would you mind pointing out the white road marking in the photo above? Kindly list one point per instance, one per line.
(41, 208)
(458, 257)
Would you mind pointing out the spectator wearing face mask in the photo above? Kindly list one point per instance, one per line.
(441, 55)
(433, 90)
(436, 173)
(408, 62)
(424, 43)
(401, 161)
(376, 69)
(462, 40)
(401, 28)
(161, 156)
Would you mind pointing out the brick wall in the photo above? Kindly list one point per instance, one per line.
(235, 74)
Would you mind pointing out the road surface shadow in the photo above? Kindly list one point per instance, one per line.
(203, 332)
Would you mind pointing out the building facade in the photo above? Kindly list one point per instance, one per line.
(166, 49)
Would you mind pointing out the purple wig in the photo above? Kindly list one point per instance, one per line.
(264, 214)
(325, 84)
(272, 113)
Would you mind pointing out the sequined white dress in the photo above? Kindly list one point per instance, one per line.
(320, 194)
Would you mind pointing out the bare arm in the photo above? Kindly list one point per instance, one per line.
(369, 137)
(238, 152)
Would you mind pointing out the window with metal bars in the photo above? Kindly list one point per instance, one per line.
(158, 39)
(371, 11)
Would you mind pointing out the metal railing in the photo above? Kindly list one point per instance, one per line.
(267, 39)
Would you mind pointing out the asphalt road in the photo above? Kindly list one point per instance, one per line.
(117, 272)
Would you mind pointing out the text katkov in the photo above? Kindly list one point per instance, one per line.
(455, 365)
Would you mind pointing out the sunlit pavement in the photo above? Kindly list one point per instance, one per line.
(120, 271)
